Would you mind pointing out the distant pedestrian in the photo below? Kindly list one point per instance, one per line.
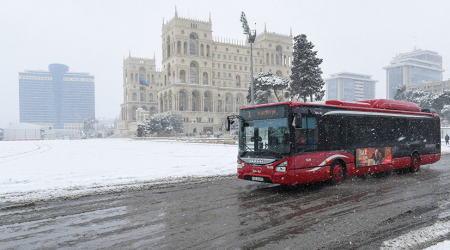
(446, 139)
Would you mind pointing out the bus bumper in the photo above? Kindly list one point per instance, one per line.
(286, 178)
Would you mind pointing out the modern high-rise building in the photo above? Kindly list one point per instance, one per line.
(346, 86)
(57, 98)
(203, 78)
(412, 68)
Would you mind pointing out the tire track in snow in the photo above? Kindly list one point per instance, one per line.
(39, 150)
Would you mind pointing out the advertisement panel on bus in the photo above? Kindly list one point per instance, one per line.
(367, 157)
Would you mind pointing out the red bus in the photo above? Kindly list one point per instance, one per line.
(294, 143)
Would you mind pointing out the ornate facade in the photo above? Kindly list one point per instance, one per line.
(203, 78)
(136, 95)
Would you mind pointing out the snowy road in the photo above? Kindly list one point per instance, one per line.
(400, 211)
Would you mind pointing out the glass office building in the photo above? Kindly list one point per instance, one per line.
(347, 86)
(413, 68)
(56, 98)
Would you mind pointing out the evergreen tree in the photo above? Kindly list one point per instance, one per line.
(265, 84)
(306, 73)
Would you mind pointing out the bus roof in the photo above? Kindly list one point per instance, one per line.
(374, 105)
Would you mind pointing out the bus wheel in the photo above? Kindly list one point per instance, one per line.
(415, 163)
(337, 173)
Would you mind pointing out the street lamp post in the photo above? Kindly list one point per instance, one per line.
(251, 34)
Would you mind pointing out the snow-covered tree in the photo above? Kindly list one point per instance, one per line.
(445, 113)
(425, 99)
(306, 73)
(419, 97)
(161, 124)
(265, 84)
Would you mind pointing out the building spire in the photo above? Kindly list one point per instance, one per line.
(291, 32)
(129, 53)
(265, 30)
(210, 17)
(176, 13)
(154, 57)
(163, 22)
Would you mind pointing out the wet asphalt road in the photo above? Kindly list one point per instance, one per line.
(234, 214)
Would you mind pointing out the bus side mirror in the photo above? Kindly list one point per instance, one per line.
(229, 123)
(297, 121)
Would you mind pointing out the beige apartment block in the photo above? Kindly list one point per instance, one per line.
(431, 87)
(203, 78)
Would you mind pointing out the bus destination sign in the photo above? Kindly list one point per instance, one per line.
(264, 113)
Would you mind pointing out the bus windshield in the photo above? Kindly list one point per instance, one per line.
(269, 136)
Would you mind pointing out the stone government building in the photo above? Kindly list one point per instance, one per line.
(203, 78)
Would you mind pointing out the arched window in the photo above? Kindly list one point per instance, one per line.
(168, 46)
(192, 49)
(182, 101)
(272, 59)
(202, 50)
(193, 44)
(205, 78)
(182, 76)
(179, 47)
(207, 51)
(279, 55)
(142, 97)
(195, 101)
(219, 105)
(208, 102)
(150, 97)
(193, 72)
(165, 101)
(134, 97)
(132, 77)
(192, 77)
(228, 103)
(278, 73)
(170, 99)
(185, 48)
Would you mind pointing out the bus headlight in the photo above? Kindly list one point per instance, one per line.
(281, 167)
(240, 165)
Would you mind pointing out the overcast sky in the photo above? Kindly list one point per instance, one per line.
(95, 36)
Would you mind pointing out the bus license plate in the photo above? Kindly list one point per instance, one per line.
(256, 178)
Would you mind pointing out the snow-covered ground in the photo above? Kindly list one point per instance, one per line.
(41, 170)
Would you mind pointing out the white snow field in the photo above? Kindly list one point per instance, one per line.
(48, 169)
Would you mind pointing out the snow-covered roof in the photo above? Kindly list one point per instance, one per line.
(23, 126)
